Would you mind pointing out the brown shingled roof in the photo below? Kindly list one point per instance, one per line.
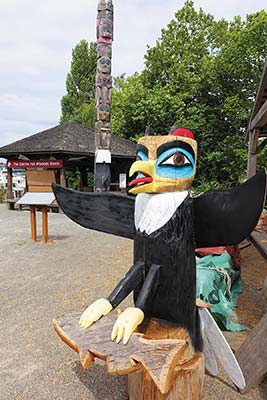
(69, 138)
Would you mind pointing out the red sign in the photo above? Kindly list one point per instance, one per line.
(28, 164)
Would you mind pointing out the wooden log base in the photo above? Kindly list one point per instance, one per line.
(155, 351)
(187, 383)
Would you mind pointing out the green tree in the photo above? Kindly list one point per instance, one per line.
(2, 194)
(204, 74)
(79, 102)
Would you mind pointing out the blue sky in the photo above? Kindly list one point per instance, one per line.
(37, 37)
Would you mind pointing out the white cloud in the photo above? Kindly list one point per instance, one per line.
(37, 37)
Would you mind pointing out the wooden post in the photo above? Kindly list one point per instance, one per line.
(33, 223)
(9, 183)
(44, 225)
(62, 177)
(252, 153)
(10, 194)
(83, 178)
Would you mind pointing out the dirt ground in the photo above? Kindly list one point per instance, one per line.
(77, 266)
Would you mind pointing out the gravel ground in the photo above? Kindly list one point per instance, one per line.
(39, 282)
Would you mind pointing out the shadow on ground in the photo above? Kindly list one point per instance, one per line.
(93, 378)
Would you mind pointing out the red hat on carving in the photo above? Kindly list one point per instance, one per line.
(182, 131)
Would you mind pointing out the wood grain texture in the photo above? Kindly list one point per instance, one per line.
(44, 225)
(252, 355)
(158, 357)
(210, 360)
(259, 239)
(221, 348)
(33, 223)
(187, 383)
(260, 118)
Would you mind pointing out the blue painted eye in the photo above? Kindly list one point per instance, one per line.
(175, 163)
(141, 156)
(177, 159)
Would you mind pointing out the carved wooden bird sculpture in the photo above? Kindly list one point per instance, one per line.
(167, 224)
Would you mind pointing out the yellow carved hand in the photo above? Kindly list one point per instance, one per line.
(126, 324)
(94, 312)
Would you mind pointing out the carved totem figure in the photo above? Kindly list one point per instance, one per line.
(103, 88)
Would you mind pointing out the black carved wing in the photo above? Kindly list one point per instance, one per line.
(226, 217)
(104, 212)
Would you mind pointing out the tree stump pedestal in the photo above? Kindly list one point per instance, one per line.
(158, 359)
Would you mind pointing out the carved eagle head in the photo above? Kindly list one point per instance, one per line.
(165, 163)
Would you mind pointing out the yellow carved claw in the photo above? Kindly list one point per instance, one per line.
(202, 304)
(94, 312)
(126, 324)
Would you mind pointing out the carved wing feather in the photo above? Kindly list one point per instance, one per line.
(104, 212)
(226, 217)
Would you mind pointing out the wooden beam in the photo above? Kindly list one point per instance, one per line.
(260, 118)
(261, 146)
(260, 96)
(252, 153)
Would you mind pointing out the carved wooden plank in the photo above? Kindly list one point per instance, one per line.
(158, 357)
(252, 355)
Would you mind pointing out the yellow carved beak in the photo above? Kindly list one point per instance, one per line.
(146, 174)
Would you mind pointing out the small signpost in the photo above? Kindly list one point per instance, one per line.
(35, 200)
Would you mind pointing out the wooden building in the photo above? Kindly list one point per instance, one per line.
(256, 135)
(74, 144)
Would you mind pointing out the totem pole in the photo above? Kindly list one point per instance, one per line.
(103, 94)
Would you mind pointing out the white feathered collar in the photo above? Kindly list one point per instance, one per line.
(153, 211)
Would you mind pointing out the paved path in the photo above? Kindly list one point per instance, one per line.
(38, 282)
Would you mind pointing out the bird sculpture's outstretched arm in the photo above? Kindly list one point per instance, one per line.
(104, 212)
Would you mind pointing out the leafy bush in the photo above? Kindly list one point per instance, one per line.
(2, 194)
(73, 179)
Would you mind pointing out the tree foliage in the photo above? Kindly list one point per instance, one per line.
(2, 194)
(204, 74)
(79, 102)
